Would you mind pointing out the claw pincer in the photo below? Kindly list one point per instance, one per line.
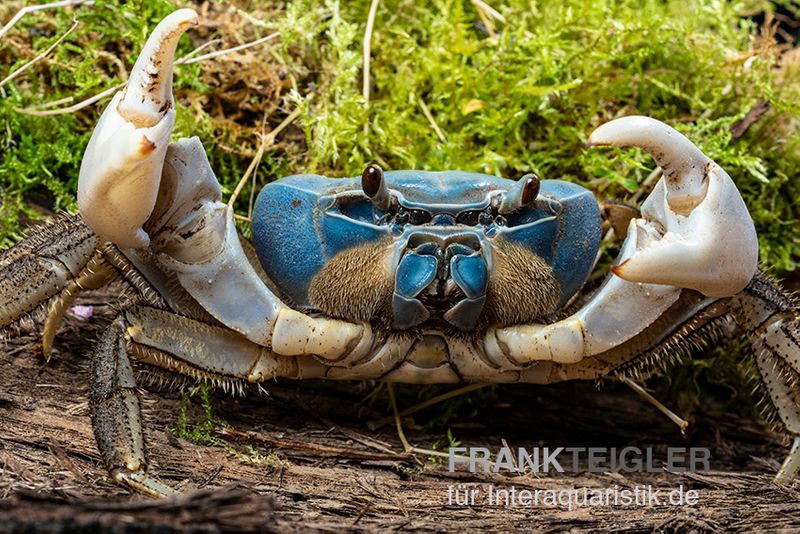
(121, 168)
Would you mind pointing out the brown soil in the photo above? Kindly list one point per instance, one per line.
(319, 466)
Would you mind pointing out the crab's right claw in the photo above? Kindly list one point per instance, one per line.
(121, 168)
(695, 231)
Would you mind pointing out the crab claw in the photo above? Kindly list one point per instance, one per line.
(695, 231)
(121, 168)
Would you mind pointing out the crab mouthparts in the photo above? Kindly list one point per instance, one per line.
(440, 280)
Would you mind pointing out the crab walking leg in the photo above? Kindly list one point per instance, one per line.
(94, 275)
(43, 263)
(116, 416)
(204, 351)
(177, 344)
(770, 319)
(121, 168)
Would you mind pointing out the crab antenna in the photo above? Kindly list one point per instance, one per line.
(373, 183)
(521, 194)
(149, 92)
(683, 164)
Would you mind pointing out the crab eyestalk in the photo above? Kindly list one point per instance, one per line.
(523, 193)
(373, 183)
(695, 231)
(121, 168)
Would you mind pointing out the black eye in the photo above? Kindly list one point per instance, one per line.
(372, 180)
(530, 190)
(468, 218)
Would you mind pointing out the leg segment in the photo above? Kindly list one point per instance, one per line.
(770, 318)
(43, 263)
(173, 343)
(116, 416)
(94, 275)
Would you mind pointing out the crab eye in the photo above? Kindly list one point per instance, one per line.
(521, 194)
(530, 189)
(372, 180)
(374, 186)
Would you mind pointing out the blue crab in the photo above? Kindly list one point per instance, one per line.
(406, 276)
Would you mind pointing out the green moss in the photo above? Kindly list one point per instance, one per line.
(205, 431)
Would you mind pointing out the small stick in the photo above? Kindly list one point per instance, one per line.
(682, 423)
(40, 56)
(373, 9)
(30, 9)
(428, 403)
(266, 140)
(313, 447)
(492, 12)
(429, 116)
(406, 445)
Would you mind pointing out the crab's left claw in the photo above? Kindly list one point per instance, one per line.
(121, 168)
(695, 231)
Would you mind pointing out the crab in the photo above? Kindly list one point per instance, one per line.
(404, 276)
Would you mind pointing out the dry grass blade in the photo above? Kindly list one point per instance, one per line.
(39, 57)
(188, 61)
(373, 10)
(427, 404)
(489, 10)
(675, 418)
(30, 9)
(266, 140)
(71, 109)
(310, 447)
(431, 120)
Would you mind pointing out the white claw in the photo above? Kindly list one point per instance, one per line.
(683, 164)
(121, 168)
(695, 231)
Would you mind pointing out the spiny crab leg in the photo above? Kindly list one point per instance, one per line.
(121, 168)
(695, 233)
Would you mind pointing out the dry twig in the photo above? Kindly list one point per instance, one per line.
(373, 9)
(30, 9)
